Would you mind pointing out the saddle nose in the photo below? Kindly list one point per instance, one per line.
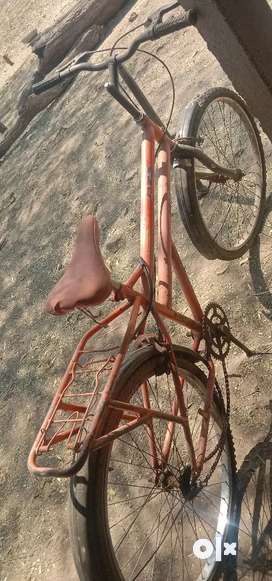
(86, 281)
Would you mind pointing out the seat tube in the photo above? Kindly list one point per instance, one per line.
(147, 199)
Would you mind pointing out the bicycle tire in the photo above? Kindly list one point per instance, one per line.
(91, 543)
(253, 464)
(185, 181)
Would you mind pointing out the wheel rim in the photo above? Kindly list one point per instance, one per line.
(229, 211)
(152, 529)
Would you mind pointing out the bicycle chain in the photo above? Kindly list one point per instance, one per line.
(218, 346)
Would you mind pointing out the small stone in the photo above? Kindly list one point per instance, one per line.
(3, 243)
(3, 128)
(8, 60)
(11, 199)
(114, 245)
(222, 271)
(133, 16)
(131, 174)
(95, 208)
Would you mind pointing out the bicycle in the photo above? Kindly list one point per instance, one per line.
(145, 421)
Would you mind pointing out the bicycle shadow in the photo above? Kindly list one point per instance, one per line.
(251, 522)
(259, 269)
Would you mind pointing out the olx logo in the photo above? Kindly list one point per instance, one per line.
(203, 548)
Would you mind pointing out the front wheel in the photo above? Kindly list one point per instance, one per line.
(126, 522)
(222, 217)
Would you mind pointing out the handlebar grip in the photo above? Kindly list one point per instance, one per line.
(43, 86)
(174, 24)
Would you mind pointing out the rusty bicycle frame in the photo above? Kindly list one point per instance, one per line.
(167, 260)
(140, 302)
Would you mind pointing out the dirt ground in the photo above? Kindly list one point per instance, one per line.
(82, 155)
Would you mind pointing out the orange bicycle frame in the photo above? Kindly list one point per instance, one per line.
(168, 260)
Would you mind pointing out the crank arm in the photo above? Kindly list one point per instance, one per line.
(242, 346)
(247, 351)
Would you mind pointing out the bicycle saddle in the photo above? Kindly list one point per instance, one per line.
(87, 280)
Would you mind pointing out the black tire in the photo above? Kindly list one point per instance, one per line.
(247, 517)
(91, 542)
(185, 182)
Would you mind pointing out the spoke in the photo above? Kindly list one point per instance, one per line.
(148, 498)
(184, 561)
(144, 454)
(140, 550)
(132, 464)
(201, 519)
(164, 536)
(212, 494)
(131, 485)
(215, 483)
(117, 547)
(126, 500)
(151, 534)
(209, 498)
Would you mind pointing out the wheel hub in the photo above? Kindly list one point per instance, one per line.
(182, 482)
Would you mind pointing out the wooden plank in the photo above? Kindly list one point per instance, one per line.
(80, 30)
(53, 44)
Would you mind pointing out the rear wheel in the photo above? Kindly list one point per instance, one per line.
(127, 523)
(222, 219)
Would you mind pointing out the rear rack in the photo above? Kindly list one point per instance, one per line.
(61, 445)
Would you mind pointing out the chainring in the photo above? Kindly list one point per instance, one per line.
(216, 331)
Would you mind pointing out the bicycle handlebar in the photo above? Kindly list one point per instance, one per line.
(152, 33)
(174, 24)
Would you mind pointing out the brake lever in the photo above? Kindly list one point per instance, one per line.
(80, 58)
(156, 17)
